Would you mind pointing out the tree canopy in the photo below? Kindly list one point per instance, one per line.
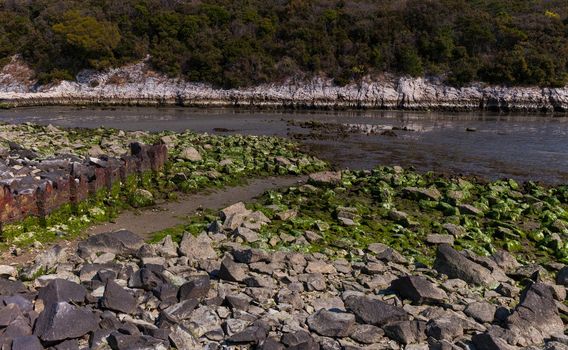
(244, 42)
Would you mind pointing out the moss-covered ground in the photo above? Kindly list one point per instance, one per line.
(401, 208)
(224, 161)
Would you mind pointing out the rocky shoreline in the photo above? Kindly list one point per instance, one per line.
(213, 291)
(138, 85)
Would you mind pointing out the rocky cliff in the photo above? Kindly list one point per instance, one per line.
(137, 84)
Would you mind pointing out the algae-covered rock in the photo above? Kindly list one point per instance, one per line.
(141, 198)
(191, 154)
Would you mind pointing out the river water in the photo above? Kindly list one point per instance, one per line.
(525, 147)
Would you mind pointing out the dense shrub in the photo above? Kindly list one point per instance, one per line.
(238, 43)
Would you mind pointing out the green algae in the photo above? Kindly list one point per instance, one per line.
(528, 220)
(226, 161)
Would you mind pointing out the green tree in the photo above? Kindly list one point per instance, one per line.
(89, 40)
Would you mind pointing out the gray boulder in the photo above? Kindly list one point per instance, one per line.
(117, 298)
(121, 243)
(488, 341)
(373, 311)
(367, 334)
(9, 287)
(331, 323)
(562, 276)
(59, 290)
(179, 311)
(196, 288)
(536, 317)
(481, 311)
(455, 265)
(197, 248)
(255, 333)
(419, 290)
(431, 194)
(445, 328)
(326, 178)
(232, 271)
(406, 332)
(62, 321)
(26, 342)
(191, 154)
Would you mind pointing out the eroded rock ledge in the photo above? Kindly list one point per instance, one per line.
(137, 84)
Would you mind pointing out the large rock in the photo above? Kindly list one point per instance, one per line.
(119, 341)
(59, 290)
(455, 265)
(406, 332)
(232, 271)
(248, 255)
(8, 271)
(444, 328)
(205, 321)
(326, 177)
(455, 230)
(481, 311)
(8, 314)
(386, 253)
(122, 243)
(488, 341)
(374, 311)
(418, 289)
(27, 342)
(196, 288)
(191, 154)
(431, 194)
(505, 260)
(117, 298)
(180, 311)
(9, 287)
(367, 334)
(319, 266)
(562, 276)
(237, 208)
(197, 248)
(536, 316)
(62, 321)
(331, 323)
(255, 333)
(182, 338)
(299, 340)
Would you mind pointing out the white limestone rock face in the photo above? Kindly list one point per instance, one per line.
(139, 84)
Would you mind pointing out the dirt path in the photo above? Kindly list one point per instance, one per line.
(168, 214)
(173, 213)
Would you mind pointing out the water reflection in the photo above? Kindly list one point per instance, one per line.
(521, 146)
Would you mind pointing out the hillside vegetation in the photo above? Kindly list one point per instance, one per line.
(239, 43)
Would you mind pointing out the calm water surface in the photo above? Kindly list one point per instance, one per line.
(525, 147)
